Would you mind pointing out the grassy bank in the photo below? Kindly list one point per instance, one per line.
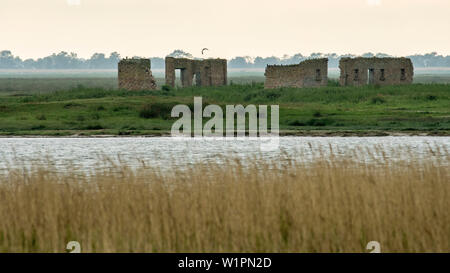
(29, 84)
(332, 110)
(328, 206)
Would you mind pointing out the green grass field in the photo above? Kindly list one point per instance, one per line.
(96, 107)
(44, 83)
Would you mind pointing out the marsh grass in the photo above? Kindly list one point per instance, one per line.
(331, 204)
(409, 108)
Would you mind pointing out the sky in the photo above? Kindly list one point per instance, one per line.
(228, 28)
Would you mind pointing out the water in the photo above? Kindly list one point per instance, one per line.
(88, 154)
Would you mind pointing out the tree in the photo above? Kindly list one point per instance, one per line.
(178, 53)
(7, 60)
(65, 60)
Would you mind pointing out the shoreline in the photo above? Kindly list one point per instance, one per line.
(282, 134)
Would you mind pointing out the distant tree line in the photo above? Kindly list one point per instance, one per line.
(65, 60)
(62, 60)
(426, 60)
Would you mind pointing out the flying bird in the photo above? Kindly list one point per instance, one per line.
(203, 50)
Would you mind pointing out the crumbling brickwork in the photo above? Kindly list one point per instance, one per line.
(378, 71)
(210, 72)
(136, 75)
(309, 73)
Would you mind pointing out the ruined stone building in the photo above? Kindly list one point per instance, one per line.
(136, 75)
(209, 72)
(309, 73)
(379, 71)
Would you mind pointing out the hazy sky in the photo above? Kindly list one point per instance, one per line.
(36, 28)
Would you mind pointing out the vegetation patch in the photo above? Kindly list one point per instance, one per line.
(379, 99)
(72, 105)
(431, 97)
(156, 110)
(41, 117)
(94, 127)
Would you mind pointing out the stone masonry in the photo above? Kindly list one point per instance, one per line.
(209, 72)
(377, 71)
(309, 73)
(136, 75)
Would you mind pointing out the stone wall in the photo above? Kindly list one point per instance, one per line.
(136, 75)
(378, 71)
(210, 72)
(309, 73)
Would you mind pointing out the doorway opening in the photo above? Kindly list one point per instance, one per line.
(371, 76)
(318, 75)
(179, 77)
(356, 75)
(197, 79)
(403, 74)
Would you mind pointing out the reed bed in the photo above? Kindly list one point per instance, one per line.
(336, 205)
